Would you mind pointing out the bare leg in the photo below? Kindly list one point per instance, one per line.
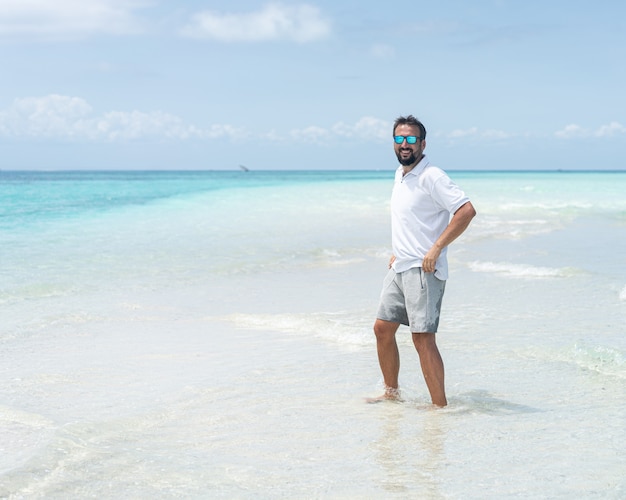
(388, 356)
(432, 366)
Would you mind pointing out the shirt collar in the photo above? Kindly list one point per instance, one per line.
(417, 169)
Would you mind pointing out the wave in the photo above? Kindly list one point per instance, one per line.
(499, 227)
(608, 361)
(338, 328)
(522, 270)
(14, 416)
(603, 360)
(622, 294)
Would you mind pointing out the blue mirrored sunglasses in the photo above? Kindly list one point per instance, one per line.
(411, 139)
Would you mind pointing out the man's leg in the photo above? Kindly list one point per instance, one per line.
(432, 366)
(388, 356)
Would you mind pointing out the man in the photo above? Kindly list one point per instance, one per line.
(428, 212)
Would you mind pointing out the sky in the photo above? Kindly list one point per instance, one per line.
(199, 84)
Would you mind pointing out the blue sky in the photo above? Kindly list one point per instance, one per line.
(163, 84)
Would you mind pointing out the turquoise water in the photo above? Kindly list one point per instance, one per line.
(30, 197)
(208, 335)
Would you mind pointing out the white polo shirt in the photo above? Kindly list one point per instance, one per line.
(422, 203)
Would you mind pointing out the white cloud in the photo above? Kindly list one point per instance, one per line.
(613, 128)
(68, 18)
(272, 136)
(301, 23)
(64, 117)
(310, 134)
(574, 131)
(365, 129)
(49, 116)
(136, 124)
(460, 133)
(495, 134)
(475, 132)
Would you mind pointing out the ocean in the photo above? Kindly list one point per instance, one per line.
(209, 335)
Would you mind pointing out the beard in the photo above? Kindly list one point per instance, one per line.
(405, 161)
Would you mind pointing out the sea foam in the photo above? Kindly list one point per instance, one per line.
(604, 360)
(521, 270)
(338, 328)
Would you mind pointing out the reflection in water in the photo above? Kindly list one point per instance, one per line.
(415, 439)
(481, 401)
(410, 449)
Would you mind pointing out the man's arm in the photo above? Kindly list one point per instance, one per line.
(459, 222)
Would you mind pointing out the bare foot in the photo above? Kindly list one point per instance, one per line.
(391, 394)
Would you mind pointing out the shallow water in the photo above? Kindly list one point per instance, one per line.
(189, 341)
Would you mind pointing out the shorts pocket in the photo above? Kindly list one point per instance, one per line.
(389, 279)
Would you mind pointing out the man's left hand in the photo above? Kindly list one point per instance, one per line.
(430, 260)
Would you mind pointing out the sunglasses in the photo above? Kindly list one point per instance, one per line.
(411, 139)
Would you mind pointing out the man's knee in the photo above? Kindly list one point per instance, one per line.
(424, 341)
(385, 330)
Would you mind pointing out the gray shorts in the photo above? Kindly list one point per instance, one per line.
(412, 298)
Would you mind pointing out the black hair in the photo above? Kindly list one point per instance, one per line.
(410, 120)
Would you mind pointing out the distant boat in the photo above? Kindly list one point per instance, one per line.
(244, 168)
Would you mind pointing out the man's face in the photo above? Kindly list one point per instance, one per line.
(408, 154)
